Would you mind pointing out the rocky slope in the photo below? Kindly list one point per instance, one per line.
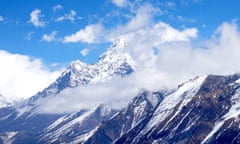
(205, 110)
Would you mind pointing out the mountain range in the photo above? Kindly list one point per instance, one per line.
(203, 110)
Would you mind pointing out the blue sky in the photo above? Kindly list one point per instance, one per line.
(171, 41)
(63, 18)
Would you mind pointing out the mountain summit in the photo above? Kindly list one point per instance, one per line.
(114, 62)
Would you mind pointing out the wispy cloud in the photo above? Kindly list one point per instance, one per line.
(72, 16)
(36, 18)
(90, 34)
(57, 7)
(84, 52)
(1, 18)
(49, 37)
(170, 4)
(119, 3)
(187, 2)
(29, 36)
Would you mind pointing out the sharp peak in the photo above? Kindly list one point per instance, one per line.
(117, 46)
(77, 62)
(121, 43)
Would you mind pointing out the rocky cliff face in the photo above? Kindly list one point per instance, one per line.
(207, 112)
(138, 110)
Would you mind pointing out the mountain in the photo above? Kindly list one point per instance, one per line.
(76, 125)
(136, 113)
(28, 126)
(114, 62)
(204, 110)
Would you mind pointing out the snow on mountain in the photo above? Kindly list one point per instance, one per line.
(179, 98)
(134, 114)
(114, 62)
(4, 102)
(7, 138)
(28, 123)
(74, 125)
(203, 110)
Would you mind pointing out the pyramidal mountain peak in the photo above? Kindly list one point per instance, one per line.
(114, 62)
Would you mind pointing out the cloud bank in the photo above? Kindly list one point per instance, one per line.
(22, 76)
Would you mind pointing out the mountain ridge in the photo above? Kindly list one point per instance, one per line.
(114, 62)
(204, 110)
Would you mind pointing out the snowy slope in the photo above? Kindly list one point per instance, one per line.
(203, 110)
(75, 125)
(134, 114)
(4, 102)
(114, 62)
(29, 125)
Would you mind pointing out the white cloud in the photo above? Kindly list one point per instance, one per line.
(90, 34)
(49, 38)
(188, 2)
(36, 18)
(84, 51)
(143, 18)
(57, 7)
(117, 93)
(119, 3)
(69, 16)
(29, 36)
(176, 61)
(1, 18)
(22, 76)
(170, 4)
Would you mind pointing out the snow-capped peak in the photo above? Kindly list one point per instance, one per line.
(117, 47)
(114, 62)
(116, 52)
(77, 65)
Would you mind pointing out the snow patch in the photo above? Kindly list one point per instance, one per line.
(7, 137)
(216, 127)
(85, 137)
(182, 95)
(234, 112)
